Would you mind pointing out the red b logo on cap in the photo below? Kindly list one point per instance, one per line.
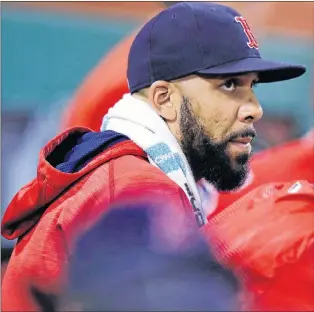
(252, 41)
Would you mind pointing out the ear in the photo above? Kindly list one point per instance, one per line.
(159, 95)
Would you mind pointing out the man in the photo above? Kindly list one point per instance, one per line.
(191, 73)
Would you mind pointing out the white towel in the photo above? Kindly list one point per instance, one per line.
(138, 121)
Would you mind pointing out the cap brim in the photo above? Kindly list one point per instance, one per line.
(268, 71)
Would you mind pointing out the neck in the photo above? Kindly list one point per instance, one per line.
(140, 97)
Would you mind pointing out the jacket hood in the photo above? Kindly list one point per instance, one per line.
(62, 162)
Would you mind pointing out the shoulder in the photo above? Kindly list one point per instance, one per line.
(127, 178)
(134, 177)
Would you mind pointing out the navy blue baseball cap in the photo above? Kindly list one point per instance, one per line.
(199, 38)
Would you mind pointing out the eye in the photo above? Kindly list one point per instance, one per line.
(254, 84)
(230, 85)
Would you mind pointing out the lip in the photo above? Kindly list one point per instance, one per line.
(241, 145)
(245, 140)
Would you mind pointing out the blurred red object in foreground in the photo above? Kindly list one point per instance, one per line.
(266, 238)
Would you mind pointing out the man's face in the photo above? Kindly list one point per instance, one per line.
(215, 127)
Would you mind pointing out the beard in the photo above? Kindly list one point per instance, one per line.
(208, 159)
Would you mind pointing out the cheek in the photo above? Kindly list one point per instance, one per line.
(217, 125)
(217, 115)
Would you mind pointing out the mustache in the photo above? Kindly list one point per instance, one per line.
(241, 134)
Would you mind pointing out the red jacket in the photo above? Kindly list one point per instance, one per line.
(265, 240)
(53, 210)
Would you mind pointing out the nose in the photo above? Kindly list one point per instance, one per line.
(251, 111)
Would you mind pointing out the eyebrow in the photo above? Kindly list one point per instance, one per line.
(234, 76)
(240, 77)
(229, 76)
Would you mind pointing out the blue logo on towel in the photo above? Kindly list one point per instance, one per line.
(165, 159)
